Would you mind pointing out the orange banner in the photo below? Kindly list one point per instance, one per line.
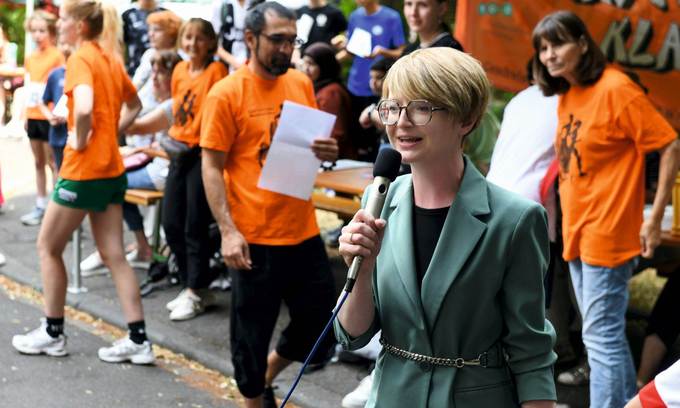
(639, 35)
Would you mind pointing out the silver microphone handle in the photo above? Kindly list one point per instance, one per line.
(374, 206)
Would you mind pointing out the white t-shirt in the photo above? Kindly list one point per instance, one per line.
(525, 146)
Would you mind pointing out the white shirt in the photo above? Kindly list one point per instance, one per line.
(525, 146)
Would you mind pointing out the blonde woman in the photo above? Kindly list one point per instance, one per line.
(453, 269)
(92, 183)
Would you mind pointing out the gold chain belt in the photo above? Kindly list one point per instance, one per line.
(480, 361)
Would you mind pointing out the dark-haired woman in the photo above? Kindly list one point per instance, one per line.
(320, 65)
(606, 126)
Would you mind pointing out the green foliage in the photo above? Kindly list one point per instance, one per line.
(480, 143)
(12, 21)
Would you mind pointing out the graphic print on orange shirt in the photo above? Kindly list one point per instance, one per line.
(186, 108)
(264, 145)
(568, 138)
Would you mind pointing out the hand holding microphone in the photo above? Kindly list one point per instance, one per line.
(360, 239)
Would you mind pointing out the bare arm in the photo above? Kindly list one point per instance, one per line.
(393, 53)
(234, 246)
(152, 122)
(362, 236)
(227, 57)
(83, 99)
(650, 233)
(129, 112)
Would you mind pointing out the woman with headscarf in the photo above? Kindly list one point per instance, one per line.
(320, 65)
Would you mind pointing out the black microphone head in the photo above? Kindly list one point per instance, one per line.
(387, 164)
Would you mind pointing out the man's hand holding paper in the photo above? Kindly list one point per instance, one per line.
(301, 141)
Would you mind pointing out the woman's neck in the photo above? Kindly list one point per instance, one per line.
(426, 39)
(435, 184)
(315, 4)
(372, 8)
(196, 67)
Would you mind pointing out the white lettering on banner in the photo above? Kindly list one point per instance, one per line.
(614, 46)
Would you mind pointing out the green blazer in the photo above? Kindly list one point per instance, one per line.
(483, 291)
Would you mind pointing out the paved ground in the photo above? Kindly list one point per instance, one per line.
(80, 379)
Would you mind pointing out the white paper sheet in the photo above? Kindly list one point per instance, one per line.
(304, 27)
(60, 108)
(291, 166)
(360, 43)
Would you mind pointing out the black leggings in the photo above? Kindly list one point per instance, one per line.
(186, 220)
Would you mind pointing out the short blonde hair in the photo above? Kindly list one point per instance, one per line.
(445, 77)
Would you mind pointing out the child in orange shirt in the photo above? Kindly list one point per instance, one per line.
(186, 215)
(43, 28)
(92, 182)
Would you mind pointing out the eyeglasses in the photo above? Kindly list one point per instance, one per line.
(279, 39)
(418, 112)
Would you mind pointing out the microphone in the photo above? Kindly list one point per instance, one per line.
(385, 170)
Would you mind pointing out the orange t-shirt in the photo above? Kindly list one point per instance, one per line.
(604, 132)
(241, 114)
(188, 95)
(38, 67)
(99, 69)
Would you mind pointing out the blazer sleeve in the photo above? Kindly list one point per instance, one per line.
(529, 339)
(354, 343)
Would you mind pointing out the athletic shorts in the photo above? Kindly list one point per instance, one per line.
(38, 129)
(90, 195)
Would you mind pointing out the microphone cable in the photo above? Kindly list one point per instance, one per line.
(385, 170)
(316, 346)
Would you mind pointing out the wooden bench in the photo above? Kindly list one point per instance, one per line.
(143, 197)
(148, 198)
(344, 207)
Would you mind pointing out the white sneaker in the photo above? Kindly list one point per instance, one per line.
(171, 305)
(221, 283)
(92, 265)
(37, 341)
(191, 305)
(127, 350)
(2, 259)
(359, 397)
(136, 261)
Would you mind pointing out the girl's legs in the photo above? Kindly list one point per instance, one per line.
(58, 225)
(107, 228)
(41, 159)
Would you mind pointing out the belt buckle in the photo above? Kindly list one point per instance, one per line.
(483, 359)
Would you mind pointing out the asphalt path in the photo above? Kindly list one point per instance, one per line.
(82, 380)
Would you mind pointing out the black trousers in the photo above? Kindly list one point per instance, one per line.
(300, 275)
(186, 220)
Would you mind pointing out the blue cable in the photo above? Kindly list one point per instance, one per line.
(316, 346)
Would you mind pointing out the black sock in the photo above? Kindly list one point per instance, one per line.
(55, 326)
(137, 332)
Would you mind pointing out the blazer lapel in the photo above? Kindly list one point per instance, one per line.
(460, 234)
(400, 233)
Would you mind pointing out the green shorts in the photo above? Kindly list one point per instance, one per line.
(90, 195)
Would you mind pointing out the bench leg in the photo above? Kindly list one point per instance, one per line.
(76, 285)
(156, 238)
